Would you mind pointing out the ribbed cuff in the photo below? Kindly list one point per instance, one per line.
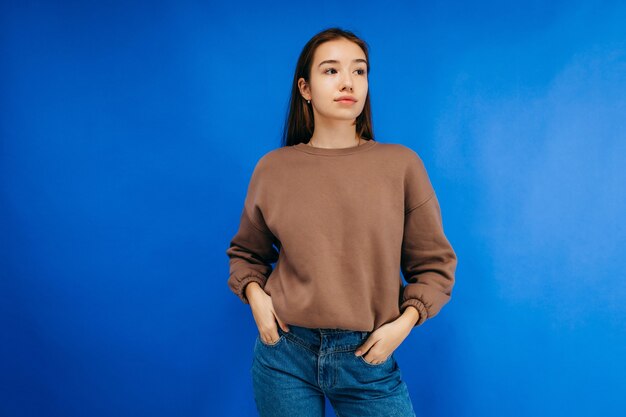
(247, 280)
(419, 306)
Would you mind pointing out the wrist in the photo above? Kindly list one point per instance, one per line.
(411, 315)
(252, 290)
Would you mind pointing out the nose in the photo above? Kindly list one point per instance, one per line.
(346, 82)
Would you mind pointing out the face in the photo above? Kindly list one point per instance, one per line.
(339, 69)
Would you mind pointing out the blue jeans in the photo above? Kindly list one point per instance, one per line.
(291, 376)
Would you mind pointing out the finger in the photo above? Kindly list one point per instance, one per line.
(370, 360)
(279, 321)
(375, 361)
(364, 347)
(269, 333)
(271, 338)
(282, 325)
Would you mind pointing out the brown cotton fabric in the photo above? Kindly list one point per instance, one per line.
(340, 225)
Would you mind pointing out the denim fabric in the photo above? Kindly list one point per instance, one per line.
(291, 376)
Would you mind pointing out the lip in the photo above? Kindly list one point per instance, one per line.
(346, 99)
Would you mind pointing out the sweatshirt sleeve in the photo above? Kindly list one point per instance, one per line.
(251, 251)
(428, 260)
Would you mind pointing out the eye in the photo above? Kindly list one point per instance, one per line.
(362, 71)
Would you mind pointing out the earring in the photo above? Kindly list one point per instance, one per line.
(308, 101)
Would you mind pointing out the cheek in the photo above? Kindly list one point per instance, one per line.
(325, 90)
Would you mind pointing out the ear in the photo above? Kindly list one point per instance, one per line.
(303, 86)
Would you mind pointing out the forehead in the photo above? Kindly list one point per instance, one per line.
(342, 50)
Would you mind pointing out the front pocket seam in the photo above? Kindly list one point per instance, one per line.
(272, 344)
(375, 365)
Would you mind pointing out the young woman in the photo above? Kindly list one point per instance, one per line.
(340, 215)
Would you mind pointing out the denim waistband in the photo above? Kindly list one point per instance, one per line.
(322, 339)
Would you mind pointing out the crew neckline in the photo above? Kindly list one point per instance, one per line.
(334, 151)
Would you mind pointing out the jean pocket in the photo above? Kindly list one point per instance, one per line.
(280, 338)
(375, 365)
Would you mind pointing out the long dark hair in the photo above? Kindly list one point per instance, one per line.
(299, 123)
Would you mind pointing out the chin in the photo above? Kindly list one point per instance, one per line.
(344, 117)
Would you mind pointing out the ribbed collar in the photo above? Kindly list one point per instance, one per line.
(334, 151)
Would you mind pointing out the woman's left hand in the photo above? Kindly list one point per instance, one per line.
(383, 341)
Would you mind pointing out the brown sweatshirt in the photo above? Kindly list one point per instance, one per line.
(340, 225)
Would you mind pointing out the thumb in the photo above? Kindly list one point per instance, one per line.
(281, 324)
(364, 347)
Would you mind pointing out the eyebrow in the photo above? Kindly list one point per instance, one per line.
(334, 61)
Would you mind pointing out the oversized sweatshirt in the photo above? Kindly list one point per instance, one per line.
(330, 234)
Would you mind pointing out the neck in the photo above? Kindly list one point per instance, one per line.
(335, 135)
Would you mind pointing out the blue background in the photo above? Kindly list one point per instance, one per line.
(128, 135)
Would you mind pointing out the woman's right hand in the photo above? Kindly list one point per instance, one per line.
(263, 313)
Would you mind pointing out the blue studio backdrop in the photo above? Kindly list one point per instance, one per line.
(129, 132)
